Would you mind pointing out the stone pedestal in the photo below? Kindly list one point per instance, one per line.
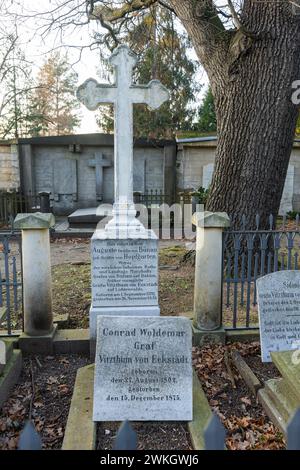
(37, 293)
(208, 274)
(124, 276)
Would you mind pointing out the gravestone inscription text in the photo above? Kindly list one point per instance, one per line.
(279, 312)
(143, 369)
(124, 272)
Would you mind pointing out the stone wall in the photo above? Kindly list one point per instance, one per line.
(65, 166)
(195, 160)
(9, 167)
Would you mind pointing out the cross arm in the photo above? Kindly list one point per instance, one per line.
(92, 94)
(154, 94)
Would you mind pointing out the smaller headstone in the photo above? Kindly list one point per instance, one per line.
(3, 355)
(286, 203)
(3, 358)
(143, 369)
(207, 175)
(279, 312)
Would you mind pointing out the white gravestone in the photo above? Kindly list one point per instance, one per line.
(143, 369)
(279, 312)
(3, 355)
(286, 204)
(123, 284)
(207, 175)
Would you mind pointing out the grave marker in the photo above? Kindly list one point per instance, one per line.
(3, 358)
(279, 312)
(124, 253)
(99, 163)
(143, 369)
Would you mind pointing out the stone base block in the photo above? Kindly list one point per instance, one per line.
(76, 341)
(148, 311)
(201, 337)
(38, 344)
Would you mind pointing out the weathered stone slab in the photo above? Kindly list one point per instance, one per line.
(124, 272)
(279, 312)
(3, 355)
(143, 369)
(286, 203)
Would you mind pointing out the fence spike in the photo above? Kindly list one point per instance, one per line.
(214, 434)
(29, 438)
(271, 221)
(284, 220)
(257, 219)
(293, 432)
(126, 438)
(244, 222)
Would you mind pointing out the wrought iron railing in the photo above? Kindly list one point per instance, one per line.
(126, 438)
(250, 254)
(14, 202)
(11, 303)
(152, 197)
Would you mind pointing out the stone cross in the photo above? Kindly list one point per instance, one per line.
(99, 162)
(123, 94)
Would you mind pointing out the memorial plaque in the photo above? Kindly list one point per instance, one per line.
(124, 272)
(279, 312)
(143, 369)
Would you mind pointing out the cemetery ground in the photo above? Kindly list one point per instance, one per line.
(45, 388)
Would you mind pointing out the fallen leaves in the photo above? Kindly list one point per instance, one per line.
(53, 385)
(244, 419)
(246, 401)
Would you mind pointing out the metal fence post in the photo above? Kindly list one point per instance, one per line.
(29, 438)
(126, 438)
(214, 434)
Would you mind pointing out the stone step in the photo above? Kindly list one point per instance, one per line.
(283, 397)
(289, 369)
(271, 409)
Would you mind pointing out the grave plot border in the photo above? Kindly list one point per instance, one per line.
(80, 432)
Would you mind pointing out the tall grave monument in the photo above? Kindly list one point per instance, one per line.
(124, 253)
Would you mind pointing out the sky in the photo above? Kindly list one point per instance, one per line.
(31, 26)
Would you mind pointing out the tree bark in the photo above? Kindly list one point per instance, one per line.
(251, 71)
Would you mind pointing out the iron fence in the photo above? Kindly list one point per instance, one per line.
(250, 254)
(14, 202)
(153, 197)
(11, 304)
(126, 438)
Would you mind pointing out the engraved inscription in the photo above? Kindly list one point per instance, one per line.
(279, 312)
(143, 369)
(124, 272)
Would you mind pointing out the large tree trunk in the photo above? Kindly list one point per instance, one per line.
(251, 77)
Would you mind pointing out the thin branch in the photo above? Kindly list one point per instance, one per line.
(234, 15)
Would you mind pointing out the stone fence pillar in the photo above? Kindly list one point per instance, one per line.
(208, 276)
(37, 285)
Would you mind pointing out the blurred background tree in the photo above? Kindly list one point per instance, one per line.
(163, 55)
(54, 106)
